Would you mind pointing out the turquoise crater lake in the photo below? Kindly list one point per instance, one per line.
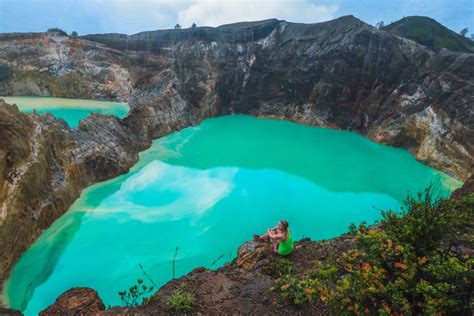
(206, 190)
(70, 110)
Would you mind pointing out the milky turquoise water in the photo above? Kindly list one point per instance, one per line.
(70, 110)
(206, 190)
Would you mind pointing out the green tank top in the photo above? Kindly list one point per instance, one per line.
(285, 248)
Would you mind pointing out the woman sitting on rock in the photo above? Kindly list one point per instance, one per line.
(281, 238)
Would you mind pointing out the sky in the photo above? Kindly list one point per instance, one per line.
(132, 16)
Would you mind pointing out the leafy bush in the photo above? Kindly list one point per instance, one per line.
(296, 291)
(57, 30)
(413, 265)
(279, 267)
(180, 300)
(135, 294)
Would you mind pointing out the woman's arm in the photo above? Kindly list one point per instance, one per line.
(272, 235)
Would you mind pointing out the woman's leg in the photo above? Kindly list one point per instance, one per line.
(275, 245)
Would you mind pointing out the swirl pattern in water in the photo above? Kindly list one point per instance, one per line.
(207, 189)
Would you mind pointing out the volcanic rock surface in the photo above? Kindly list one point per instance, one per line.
(76, 301)
(342, 74)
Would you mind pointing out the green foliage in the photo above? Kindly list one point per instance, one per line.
(296, 291)
(135, 294)
(74, 34)
(412, 265)
(430, 33)
(181, 300)
(278, 267)
(57, 30)
(427, 224)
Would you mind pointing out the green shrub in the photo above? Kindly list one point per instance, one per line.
(411, 266)
(181, 300)
(135, 294)
(279, 267)
(57, 30)
(296, 291)
(429, 225)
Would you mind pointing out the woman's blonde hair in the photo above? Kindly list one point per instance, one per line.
(284, 224)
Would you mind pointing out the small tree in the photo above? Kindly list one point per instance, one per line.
(57, 30)
(135, 294)
(380, 25)
(177, 27)
(74, 34)
(193, 26)
(464, 31)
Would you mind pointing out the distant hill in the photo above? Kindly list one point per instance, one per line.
(429, 32)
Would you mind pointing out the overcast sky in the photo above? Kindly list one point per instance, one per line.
(132, 16)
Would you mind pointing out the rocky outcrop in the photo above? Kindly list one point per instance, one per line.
(465, 190)
(239, 288)
(76, 301)
(342, 74)
(156, 40)
(48, 64)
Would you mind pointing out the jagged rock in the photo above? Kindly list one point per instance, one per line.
(242, 286)
(465, 190)
(9, 312)
(250, 254)
(76, 301)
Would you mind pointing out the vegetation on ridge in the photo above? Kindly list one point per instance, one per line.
(181, 300)
(417, 262)
(429, 32)
(136, 294)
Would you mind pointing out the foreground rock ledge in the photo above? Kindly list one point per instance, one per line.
(241, 287)
(76, 301)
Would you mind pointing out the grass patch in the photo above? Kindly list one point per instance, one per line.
(279, 267)
(181, 300)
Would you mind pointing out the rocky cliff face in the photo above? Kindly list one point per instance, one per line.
(342, 74)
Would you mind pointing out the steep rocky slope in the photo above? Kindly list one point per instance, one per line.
(342, 73)
(239, 288)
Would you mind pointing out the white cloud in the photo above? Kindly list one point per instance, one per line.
(218, 12)
(130, 16)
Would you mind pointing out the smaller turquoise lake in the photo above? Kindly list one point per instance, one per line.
(207, 189)
(70, 110)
